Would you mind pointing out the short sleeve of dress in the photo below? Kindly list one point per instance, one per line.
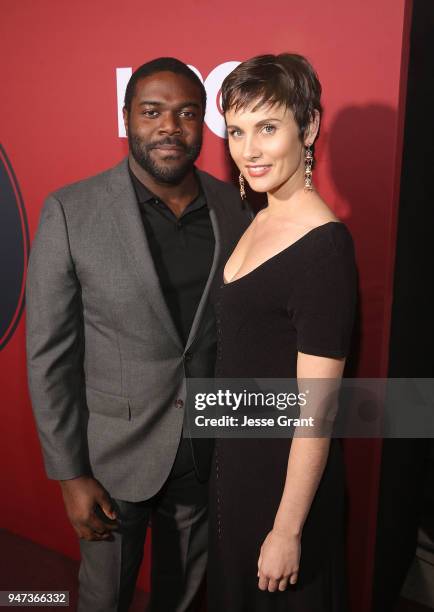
(323, 300)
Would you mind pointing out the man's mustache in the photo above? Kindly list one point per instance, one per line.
(167, 141)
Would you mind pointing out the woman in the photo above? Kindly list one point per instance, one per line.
(285, 310)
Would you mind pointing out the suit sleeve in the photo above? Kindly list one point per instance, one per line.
(55, 348)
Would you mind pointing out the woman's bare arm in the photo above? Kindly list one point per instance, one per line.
(280, 553)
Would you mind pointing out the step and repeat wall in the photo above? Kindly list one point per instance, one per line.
(63, 75)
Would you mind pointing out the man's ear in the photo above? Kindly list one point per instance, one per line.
(312, 129)
(125, 115)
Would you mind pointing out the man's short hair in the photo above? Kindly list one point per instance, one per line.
(162, 64)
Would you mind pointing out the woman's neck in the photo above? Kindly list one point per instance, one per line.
(287, 199)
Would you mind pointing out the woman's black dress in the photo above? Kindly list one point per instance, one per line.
(302, 299)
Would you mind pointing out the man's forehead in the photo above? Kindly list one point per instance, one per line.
(167, 84)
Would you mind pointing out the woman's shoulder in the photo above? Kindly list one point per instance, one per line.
(335, 233)
(326, 246)
(317, 217)
(340, 236)
(328, 233)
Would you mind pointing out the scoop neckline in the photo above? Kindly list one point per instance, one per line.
(290, 246)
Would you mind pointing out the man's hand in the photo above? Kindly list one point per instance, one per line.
(84, 499)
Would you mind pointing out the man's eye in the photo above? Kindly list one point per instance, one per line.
(150, 113)
(269, 128)
(188, 114)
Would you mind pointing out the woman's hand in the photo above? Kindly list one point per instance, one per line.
(279, 561)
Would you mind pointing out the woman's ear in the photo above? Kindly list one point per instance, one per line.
(312, 129)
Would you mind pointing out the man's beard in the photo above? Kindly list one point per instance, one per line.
(164, 174)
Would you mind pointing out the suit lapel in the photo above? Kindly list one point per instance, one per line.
(132, 235)
(211, 197)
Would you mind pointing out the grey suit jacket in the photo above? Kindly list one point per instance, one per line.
(106, 365)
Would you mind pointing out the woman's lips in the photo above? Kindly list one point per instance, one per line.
(255, 171)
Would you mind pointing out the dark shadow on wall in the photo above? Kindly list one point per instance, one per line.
(360, 144)
(360, 147)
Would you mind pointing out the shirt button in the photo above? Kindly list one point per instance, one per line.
(179, 403)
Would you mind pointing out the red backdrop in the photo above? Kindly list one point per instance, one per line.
(59, 124)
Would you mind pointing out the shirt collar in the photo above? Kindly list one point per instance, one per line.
(145, 195)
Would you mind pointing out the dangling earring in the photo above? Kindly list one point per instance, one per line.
(308, 161)
(242, 187)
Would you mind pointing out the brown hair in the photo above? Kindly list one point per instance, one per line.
(287, 79)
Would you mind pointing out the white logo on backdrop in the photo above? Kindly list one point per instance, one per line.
(213, 82)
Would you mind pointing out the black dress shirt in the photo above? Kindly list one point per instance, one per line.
(182, 249)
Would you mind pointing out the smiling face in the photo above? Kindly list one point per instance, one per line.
(164, 125)
(266, 146)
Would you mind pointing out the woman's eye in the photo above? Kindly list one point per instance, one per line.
(235, 133)
(269, 129)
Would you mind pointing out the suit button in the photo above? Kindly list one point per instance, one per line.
(179, 403)
(188, 356)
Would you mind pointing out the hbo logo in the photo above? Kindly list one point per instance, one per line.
(213, 82)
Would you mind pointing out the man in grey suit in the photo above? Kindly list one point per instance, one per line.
(119, 313)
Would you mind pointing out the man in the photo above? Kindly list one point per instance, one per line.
(118, 315)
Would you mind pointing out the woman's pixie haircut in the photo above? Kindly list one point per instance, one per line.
(286, 79)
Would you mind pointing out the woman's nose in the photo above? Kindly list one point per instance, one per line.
(251, 149)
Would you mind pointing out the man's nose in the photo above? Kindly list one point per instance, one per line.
(170, 124)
